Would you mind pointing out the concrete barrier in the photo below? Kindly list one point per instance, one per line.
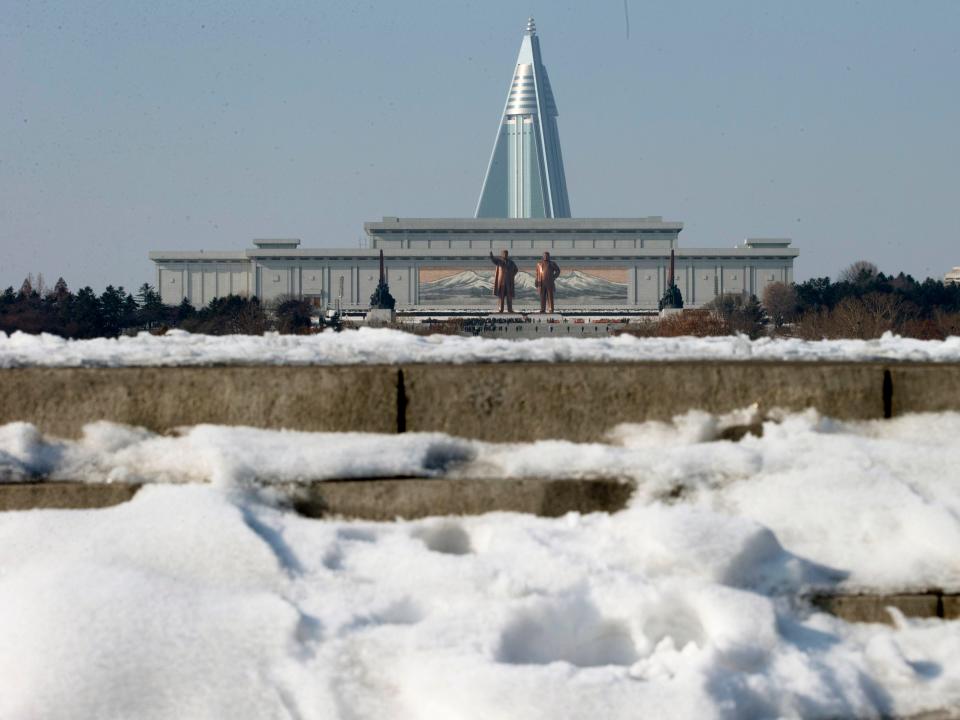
(924, 388)
(509, 401)
(374, 499)
(582, 401)
(417, 498)
(868, 607)
(64, 495)
(60, 401)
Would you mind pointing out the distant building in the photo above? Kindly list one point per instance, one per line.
(952, 277)
(443, 264)
(616, 265)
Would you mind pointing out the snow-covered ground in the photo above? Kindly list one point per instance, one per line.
(369, 345)
(213, 600)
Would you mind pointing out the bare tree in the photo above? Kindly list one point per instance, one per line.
(859, 272)
(867, 317)
(780, 302)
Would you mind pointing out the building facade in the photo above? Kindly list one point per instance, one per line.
(615, 265)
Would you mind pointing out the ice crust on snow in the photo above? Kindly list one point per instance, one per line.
(387, 346)
(210, 600)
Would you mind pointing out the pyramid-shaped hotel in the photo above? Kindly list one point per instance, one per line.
(615, 265)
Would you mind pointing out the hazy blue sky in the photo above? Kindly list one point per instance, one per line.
(131, 126)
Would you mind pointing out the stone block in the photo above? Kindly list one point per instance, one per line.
(951, 607)
(873, 608)
(380, 317)
(61, 400)
(583, 401)
(388, 499)
(64, 495)
(925, 387)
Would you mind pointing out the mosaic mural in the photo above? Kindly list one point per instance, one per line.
(590, 286)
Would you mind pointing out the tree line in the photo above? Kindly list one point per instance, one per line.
(35, 308)
(861, 303)
(865, 303)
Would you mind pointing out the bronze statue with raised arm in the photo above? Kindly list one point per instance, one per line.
(547, 273)
(503, 285)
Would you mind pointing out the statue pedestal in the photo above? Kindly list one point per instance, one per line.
(376, 317)
(670, 312)
(546, 317)
(517, 317)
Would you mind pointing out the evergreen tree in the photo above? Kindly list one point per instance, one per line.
(152, 311)
(185, 311)
(86, 314)
(60, 289)
(60, 302)
(111, 311)
(129, 311)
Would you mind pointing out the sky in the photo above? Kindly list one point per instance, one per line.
(131, 126)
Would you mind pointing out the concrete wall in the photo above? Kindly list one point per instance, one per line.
(582, 401)
(61, 400)
(517, 401)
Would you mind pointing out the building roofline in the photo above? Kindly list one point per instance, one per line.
(476, 253)
(197, 255)
(397, 224)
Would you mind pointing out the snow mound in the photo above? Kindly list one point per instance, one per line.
(386, 346)
(209, 600)
(192, 601)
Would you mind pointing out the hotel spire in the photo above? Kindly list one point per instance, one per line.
(525, 177)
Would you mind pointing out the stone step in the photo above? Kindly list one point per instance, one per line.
(872, 608)
(367, 499)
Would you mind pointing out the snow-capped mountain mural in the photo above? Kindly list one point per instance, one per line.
(579, 286)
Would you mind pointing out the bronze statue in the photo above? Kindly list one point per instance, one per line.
(547, 273)
(503, 286)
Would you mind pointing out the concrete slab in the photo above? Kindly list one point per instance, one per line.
(375, 499)
(61, 400)
(64, 495)
(416, 498)
(951, 607)
(873, 608)
(582, 401)
(924, 388)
